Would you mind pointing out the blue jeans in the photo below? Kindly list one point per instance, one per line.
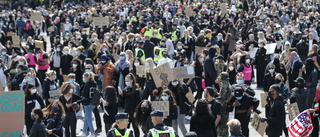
(88, 109)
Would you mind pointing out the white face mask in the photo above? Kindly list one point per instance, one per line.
(74, 65)
(71, 91)
(136, 64)
(248, 61)
(33, 91)
(231, 68)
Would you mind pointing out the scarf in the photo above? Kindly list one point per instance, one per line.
(122, 63)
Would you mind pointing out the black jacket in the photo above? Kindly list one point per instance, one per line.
(179, 93)
(268, 81)
(74, 98)
(47, 86)
(55, 123)
(203, 125)
(65, 64)
(132, 99)
(38, 129)
(276, 118)
(148, 49)
(17, 80)
(30, 103)
(86, 92)
(210, 73)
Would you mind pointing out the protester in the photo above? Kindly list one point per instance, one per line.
(110, 106)
(142, 116)
(235, 128)
(38, 129)
(55, 119)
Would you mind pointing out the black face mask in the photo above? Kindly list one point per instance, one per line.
(165, 55)
(144, 109)
(270, 94)
(276, 61)
(299, 85)
(277, 81)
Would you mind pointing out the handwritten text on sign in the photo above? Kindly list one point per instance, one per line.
(161, 105)
(161, 74)
(12, 110)
(259, 126)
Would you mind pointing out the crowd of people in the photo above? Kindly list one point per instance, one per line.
(95, 67)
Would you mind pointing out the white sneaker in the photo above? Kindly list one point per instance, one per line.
(92, 135)
(82, 134)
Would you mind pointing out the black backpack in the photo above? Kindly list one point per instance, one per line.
(94, 96)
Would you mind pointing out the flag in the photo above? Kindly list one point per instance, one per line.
(301, 126)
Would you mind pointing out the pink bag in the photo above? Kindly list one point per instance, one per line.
(204, 84)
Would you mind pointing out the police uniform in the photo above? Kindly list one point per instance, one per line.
(139, 52)
(116, 132)
(160, 130)
(158, 52)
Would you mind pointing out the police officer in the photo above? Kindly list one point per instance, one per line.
(243, 105)
(158, 51)
(148, 30)
(175, 35)
(132, 18)
(160, 130)
(139, 52)
(159, 30)
(119, 128)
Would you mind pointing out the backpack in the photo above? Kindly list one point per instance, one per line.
(94, 96)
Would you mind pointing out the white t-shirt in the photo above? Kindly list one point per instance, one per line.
(169, 44)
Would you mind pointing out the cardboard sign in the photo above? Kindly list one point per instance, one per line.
(39, 43)
(263, 97)
(36, 16)
(259, 126)
(253, 52)
(190, 96)
(141, 70)
(293, 110)
(65, 78)
(54, 94)
(223, 8)
(100, 21)
(161, 105)
(270, 48)
(116, 56)
(10, 33)
(188, 11)
(15, 41)
(12, 109)
(162, 74)
(232, 45)
(50, 29)
(183, 72)
(199, 49)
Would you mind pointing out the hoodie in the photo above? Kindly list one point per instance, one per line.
(210, 73)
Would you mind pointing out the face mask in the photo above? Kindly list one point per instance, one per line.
(17, 70)
(58, 50)
(54, 109)
(179, 47)
(231, 68)
(72, 80)
(103, 62)
(201, 59)
(33, 91)
(105, 49)
(136, 64)
(107, 37)
(121, 57)
(67, 37)
(165, 55)
(271, 70)
(248, 61)
(55, 77)
(32, 117)
(270, 94)
(21, 63)
(14, 55)
(175, 83)
(77, 53)
(240, 82)
(30, 79)
(66, 52)
(69, 46)
(71, 91)
(165, 98)
(144, 109)
(185, 65)
(128, 84)
(3, 52)
(218, 37)
(84, 80)
(74, 65)
(238, 98)
(277, 81)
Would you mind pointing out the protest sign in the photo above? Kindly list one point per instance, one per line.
(223, 8)
(259, 126)
(183, 72)
(232, 45)
(10, 33)
(65, 78)
(188, 11)
(190, 96)
(54, 94)
(36, 16)
(50, 29)
(199, 49)
(161, 105)
(15, 41)
(115, 56)
(12, 109)
(263, 97)
(253, 52)
(293, 110)
(162, 74)
(270, 48)
(39, 44)
(141, 70)
(100, 21)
